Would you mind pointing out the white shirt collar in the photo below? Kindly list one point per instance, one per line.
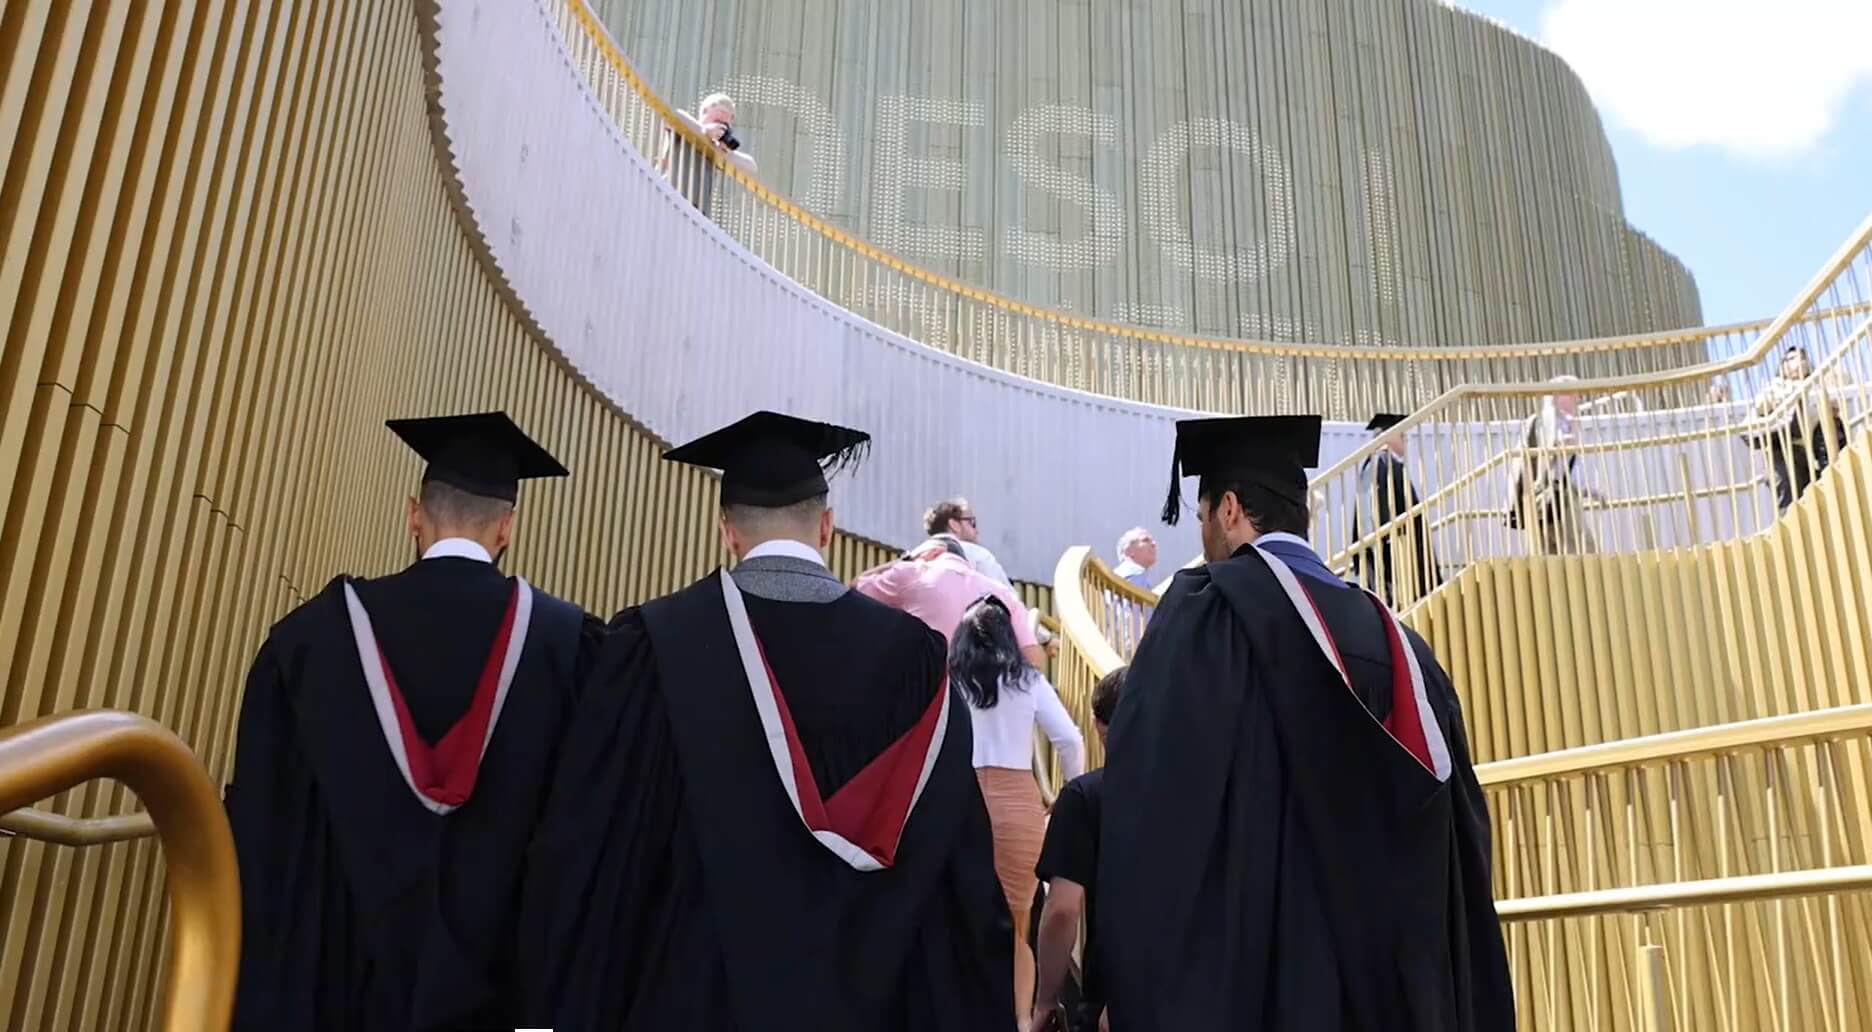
(1281, 535)
(786, 547)
(457, 548)
(1126, 567)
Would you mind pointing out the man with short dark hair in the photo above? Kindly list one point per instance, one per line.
(766, 814)
(1069, 867)
(954, 519)
(1289, 802)
(395, 739)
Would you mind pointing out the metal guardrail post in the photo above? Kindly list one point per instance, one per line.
(1653, 990)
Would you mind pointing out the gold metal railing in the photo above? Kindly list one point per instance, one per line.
(1740, 850)
(1618, 464)
(1101, 617)
(61, 830)
(1345, 381)
(1651, 578)
(1614, 553)
(50, 755)
(1650, 1006)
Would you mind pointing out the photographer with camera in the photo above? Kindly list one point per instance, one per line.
(717, 120)
(692, 171)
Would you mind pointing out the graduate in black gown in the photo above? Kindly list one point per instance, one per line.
(765, 814)
(394, 746)
(1384, 491)
(1289, 807)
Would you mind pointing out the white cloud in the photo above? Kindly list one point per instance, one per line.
(1758, 78)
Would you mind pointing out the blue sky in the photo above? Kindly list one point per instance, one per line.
(1742, 128)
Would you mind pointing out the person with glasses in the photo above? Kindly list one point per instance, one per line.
(955, 520)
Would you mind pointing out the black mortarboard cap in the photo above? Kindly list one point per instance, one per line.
(1383, 421)
(1273, 452)
(483, 453)
(771, 459)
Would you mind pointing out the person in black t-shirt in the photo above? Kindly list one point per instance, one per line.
(1069, 866)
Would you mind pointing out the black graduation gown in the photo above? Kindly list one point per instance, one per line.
(360, 908)
(1284, 863)
(1392, 493)
(672, 886)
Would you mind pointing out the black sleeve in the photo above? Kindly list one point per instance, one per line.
(987, 985)
(1487, 999)
(1071, 847)
(608, 886)
(263, 747)
(1193, 720)
(291, 887)
(592, 635)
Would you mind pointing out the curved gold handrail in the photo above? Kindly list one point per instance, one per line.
(1764, 344)
(1637, 899)
(1752, 424)
(61, 830)
(47, 756)
(1075, 615)
(594, 35)
(1791, 729)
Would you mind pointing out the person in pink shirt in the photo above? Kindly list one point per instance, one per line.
(935, 584)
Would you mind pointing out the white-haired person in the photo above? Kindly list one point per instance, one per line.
(1548, 497)
(1137, 553)
(692, 172)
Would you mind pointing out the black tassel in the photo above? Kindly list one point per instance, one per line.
(1173, 503)
(846, 459)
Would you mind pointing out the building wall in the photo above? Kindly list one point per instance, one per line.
(1319, 170)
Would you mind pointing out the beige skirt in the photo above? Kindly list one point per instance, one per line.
(1019, 821)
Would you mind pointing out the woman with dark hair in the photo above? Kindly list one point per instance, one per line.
(1007, 698)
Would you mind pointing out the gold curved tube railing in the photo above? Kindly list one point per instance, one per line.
(1657, 451)
(1101, 618)
(1348, 381)
(61, 830)
(1741, 849)
(1653, 1002)
(1658, 475)
(1795, 729)
(1643, 899)
(47, 756)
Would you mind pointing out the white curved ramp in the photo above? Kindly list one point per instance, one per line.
(684, 330)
